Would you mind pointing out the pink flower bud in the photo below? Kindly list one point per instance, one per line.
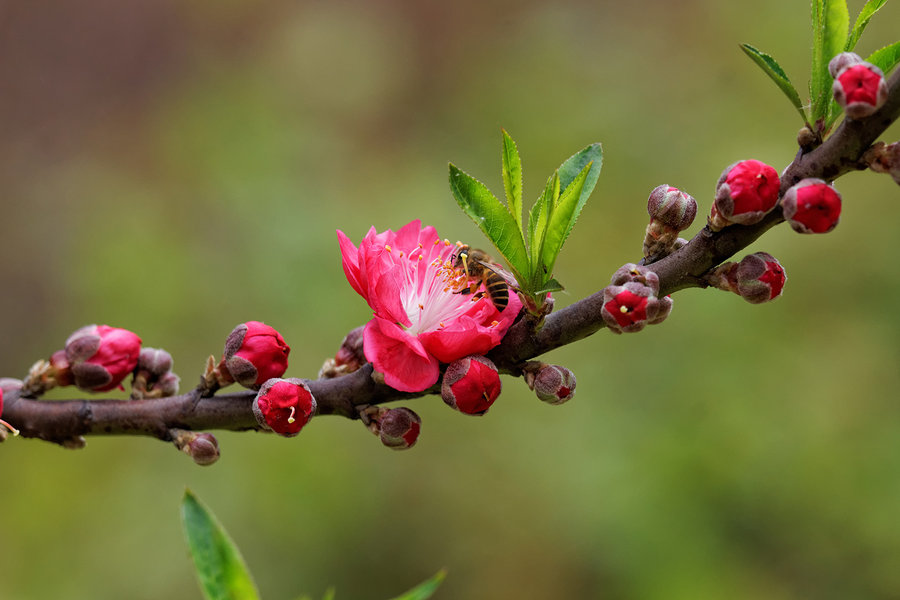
(637, 273)
(554, 384)
(471, 385)
(284, 406)
(859, 88)
(671, 207)
(759, 278)
(841, 62)
(628, 308)
(745, 193)
(399, 428)
(812, 206)
(255, 353)
(100, 357)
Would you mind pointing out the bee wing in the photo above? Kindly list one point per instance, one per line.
(509, 277)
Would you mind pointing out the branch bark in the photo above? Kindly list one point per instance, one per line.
(64, 422)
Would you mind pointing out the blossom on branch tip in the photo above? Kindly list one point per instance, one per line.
(471, 385)
(859, 87)
(255, 353)
(284, 406)
(812, 206)
(745, 193)
(100, 357)
(408, 279)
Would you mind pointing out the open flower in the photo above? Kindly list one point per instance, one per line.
(420, 321)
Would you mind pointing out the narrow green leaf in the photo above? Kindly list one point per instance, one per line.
(222, 572)
(865, 15)
(559, 225)
(886, 58)
(771, 68)
(572, 167)
(512, 178)
(540, 215)
(831, 22)
(492, 218)
(424, 590)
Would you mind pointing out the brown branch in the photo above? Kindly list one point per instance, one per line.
(65, 422)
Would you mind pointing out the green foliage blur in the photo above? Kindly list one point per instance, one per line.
(177, 168)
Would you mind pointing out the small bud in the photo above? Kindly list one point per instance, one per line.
(100, 357)
(167, 385)
(758, 278)
(637, 273)
(202, 447)
(554, 384)
(155, 361)
(399, 428)
(284, 406)
(629, 307)
(671, 211)
(746, 192)
(255, 353)
(859, 87)
(349, 358)
(812, 206)
(471, 385)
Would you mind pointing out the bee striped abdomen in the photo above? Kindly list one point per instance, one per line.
(497, 290)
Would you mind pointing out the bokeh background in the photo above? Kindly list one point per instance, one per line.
(177, 168)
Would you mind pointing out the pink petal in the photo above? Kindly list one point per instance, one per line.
(399, 356)
(350, 260)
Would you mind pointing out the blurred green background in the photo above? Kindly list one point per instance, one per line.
(176, 168)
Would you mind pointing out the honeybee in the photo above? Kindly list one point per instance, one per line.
(481, 268)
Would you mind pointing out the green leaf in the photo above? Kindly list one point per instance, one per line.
(564, 215)
(831, 22)
(865, 15)
(512, 178)
(222, 572)
(571, 168)
(551, 285)
(424, 590)
(771, 68)
(886, 58)
(538, 219)
(492, 218)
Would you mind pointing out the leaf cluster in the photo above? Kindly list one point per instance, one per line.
(530, 246)
(832, 35)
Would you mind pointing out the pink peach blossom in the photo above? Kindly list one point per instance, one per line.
(419, 320)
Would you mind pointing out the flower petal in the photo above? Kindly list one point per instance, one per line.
(350, 260)
(399, 356)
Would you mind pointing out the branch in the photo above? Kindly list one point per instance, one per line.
(65, 422)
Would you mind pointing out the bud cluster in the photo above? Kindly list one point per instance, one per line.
(859, 87)
(757, 278)
(630, 303)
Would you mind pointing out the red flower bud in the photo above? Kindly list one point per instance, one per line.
(628, 308)
(471, 385)
(758, 278)
(399, 428)
(812, 206)
(554, 384)
(745, 193)
(284, 406)
(859, 87)
(99, 357)
(255, 353)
